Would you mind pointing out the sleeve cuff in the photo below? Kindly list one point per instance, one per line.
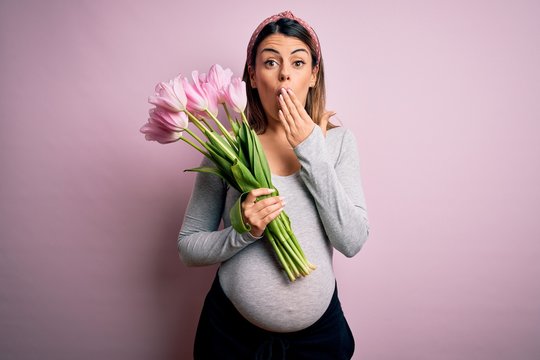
(250, 238)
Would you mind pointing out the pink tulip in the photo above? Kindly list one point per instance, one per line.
(220, 79)
(170, 96)
(202, 78)
(164, 126)
(236, 96)
(212, 96)
(200, 96)
(195, 95)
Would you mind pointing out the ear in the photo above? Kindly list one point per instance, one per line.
(314, 74)
(252, 81)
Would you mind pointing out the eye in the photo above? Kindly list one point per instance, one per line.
(299, 63)
(270, 63)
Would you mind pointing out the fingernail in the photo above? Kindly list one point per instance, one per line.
(281, 97)
(289, 90)
(281, 198)
(283, 203)
(271, 190)
(283, 90)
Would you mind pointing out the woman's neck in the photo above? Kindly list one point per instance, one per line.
(275, 139)
(275, 130)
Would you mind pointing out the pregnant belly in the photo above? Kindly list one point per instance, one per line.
(262, 293)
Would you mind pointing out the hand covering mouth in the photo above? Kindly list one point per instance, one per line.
(278, 92)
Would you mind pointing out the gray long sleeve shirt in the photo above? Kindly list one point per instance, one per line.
(327, 209)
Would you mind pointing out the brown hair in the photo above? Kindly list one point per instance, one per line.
(316, 97)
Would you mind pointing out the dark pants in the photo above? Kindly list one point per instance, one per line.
(223, 333)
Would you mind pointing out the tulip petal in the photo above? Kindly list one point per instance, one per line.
(155, 133)
(170, 96)
(220, 79)
(236, 96)
(163, 102)
(196, 98)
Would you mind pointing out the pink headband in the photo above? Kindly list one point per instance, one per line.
(273, 18)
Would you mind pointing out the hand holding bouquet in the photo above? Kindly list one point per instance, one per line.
(238, 156)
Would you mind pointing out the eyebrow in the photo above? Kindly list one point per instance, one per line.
(277, 52)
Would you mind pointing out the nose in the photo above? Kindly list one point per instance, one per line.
(284, 74)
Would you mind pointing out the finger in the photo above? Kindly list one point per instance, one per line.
(262, 204)
(301, 111)
(267, 210)
(268, 218)
(253, 194)
(284, 123)
(254, 213)
(260, 220)
(286, 113)
(291, 105)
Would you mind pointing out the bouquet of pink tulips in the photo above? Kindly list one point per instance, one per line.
(238, 157)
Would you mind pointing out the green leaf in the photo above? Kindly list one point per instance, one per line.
(251, 147)
(244, 143)
(219, 160)
(221, 145)
(235, 214)
(209, 170)
(258, 170)
(243, 177)
(263, 162)
(224, 165)
(235, 127)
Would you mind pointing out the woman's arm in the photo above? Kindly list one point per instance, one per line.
(336, 189)
(200, 242)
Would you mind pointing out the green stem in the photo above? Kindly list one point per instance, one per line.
(292, 265)
(303, 266)
(197, 122)
(244, 119)
(279, 255)
(208, 125)
(288, 237)
(228, 115)
(223, 130)
(282, 224)
(223, 146)
(195, 137)
(212, 135)
(195, 146)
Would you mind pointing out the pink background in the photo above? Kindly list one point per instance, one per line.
(443, 97)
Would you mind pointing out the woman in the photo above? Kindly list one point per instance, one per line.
(252, 310)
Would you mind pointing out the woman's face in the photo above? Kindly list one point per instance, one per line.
(282, 62)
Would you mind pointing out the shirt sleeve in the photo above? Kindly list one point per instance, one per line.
(199, 241)
(336, 190)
